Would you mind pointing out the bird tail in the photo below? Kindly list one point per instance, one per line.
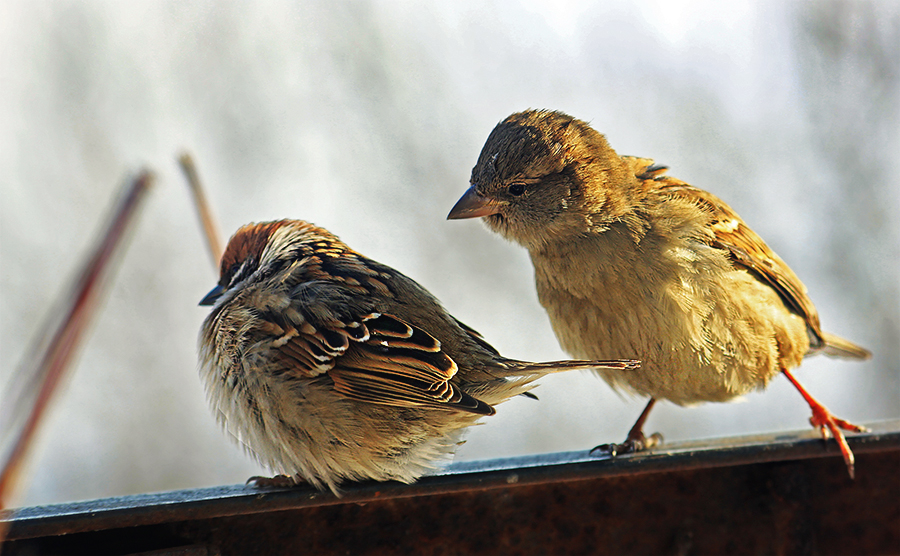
(519, 376)
(836, 346)
(526, 367)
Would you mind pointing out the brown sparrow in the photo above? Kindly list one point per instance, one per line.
(633, 263)
(329, 366)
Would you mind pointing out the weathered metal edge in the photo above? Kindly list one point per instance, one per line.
(206, 503)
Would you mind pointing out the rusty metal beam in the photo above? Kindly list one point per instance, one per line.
(781, 493)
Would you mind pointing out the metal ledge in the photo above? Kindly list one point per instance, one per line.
(714, 480)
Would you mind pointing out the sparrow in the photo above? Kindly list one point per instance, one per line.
(329, 366)
(630, 261)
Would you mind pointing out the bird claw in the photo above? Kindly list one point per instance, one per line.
(278, 481)
(829, 425)
(634, 443)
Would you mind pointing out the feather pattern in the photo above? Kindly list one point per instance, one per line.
(330, 366)
(747, 250)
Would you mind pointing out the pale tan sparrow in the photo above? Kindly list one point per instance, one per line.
(329, 366)
(630, 262)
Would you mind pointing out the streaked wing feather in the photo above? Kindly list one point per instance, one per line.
(377, 358)
(747, 250)
(425, 366)
(373, 387)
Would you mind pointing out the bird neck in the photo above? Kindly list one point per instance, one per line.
(610, 191)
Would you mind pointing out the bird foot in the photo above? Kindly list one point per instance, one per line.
(634, 443)
(829, 425)
(278, 481)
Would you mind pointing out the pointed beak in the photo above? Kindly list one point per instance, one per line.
(212, 296)
(472, 205)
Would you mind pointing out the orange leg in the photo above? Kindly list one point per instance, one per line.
(636, 441)
(823, 420)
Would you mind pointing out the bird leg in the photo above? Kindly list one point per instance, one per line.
(823, 420)
(635, 441)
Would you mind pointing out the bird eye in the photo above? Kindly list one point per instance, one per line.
(229, 274)
(517, 189)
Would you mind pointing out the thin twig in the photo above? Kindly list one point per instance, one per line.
(204, 211)
(66, 334)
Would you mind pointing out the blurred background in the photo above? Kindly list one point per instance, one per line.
(366, 117)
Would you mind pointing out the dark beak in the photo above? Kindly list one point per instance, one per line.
(472, 205)
(212, 296)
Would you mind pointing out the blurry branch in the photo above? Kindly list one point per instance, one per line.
(33, 383)
(210, 227)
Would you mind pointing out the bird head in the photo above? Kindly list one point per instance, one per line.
(541, 176)
(250, 248)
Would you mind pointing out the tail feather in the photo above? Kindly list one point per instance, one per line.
(517, 367)
(836, 346)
